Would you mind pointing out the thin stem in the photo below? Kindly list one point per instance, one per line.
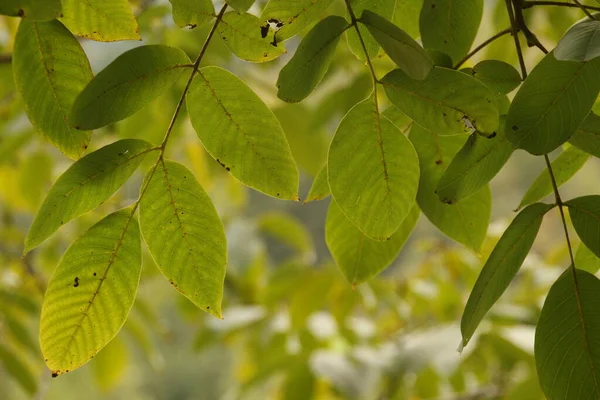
(5, 58)
(482, 46)
(560, 204)
(529, 4)
(362, 43)
(586, 12)
(515, 31)
(163, 145)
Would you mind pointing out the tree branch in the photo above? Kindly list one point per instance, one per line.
(5, 58)
(529, 4)
(482, 46)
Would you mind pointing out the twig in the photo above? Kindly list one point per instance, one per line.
(482, 45)
(529, 4)
(5, 58)
(515, 32)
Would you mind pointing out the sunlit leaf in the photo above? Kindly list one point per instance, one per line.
(502, 265)
(310, 63)
(86, 185)
(91, 292)
(102, 20)
(109, 364)
(240, 5)
(465, 221)
(15, 367)
(552, 103)
(192, 13)
(184, 234)
(131, 81)
(499, 76)
(587, 136)
(585, 215)
(586, 260)
(294, 14)
(320, 187)
(564, 167)
(288, 230)
(446, 102)
(381, 7)
(450, 26)
(242, 33)
(241, 133)
(358, 256)
(399, 46)
(479, 160)
(580, 43)
(50, 70)
(373, 171)
(566, 338)
(406, 16)
(32, 9)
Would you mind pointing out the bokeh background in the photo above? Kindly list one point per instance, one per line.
(293, 327)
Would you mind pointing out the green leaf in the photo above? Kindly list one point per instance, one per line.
(310, 63)
(101, 20)
(131, 81)
(373, 171)
(320, 187)
(466, 221)
(580, 43)
(109, 364)
(585, 216)
(450, 26)
(184, 234)
(565, 166)
(358, 256)
(288, 230)
(242, 33)
(406, 16)
(587, 136)
(192, 13)
(446, 102)
(474, 166)
(19, 332)
(17, 368)
(240, 5)
(241, 133)
(566, 338)
(502, 266)
(294, 14)
(32, 9)
(91, 292)
(499, 76)
(552, 103)
(50, 69)
(398, 45)
(86, 185)
(381, 7)
(586, 260)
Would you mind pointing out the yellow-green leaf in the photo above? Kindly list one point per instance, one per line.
(86, 185)
(288, 230)
(294, 14)
(109, 364)
(192, 13)
(241, 133)
(91, 292)
(184, 234)
(101, 20)
(240, 5)
(37, 10)
(381, 7)
(465, 221)
(320, 187)
(16, 367)
(131, 81)
(310, 63)
(242, 33)
(50, 70)
(358, 256)
(373, 171)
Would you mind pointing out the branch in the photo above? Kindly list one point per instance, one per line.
(482, 45)
(515, 32)
(529, 4)
(5, 58)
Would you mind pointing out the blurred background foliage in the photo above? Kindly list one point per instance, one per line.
(293, 327)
